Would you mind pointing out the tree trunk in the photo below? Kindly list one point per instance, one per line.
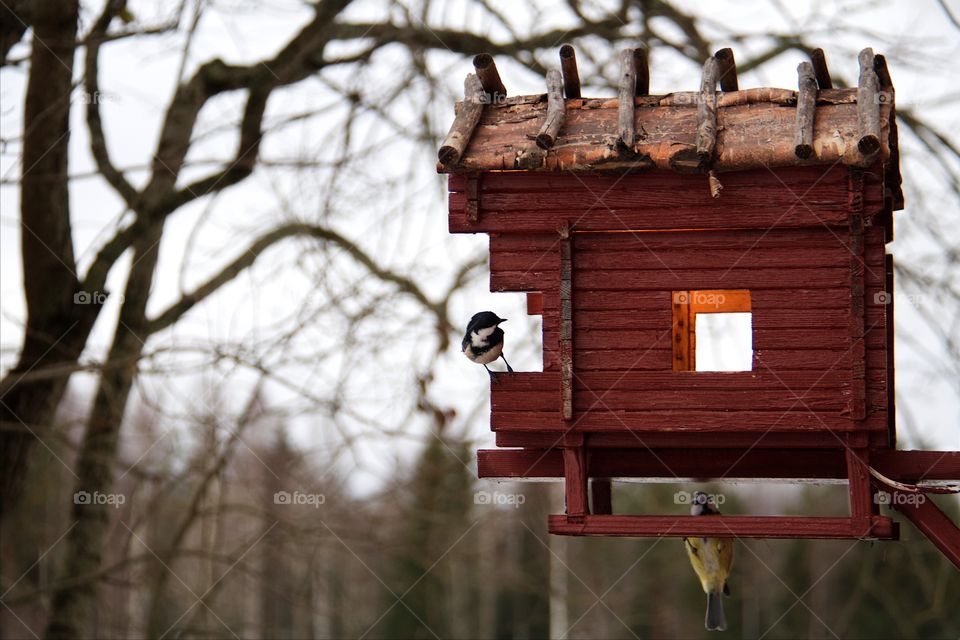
(57, 327)
(72, 604)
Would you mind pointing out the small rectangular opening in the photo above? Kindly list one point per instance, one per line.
(724, 342)
(712, 330)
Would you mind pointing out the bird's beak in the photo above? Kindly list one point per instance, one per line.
(502, 320)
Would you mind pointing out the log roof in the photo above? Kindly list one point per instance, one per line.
(711, 130)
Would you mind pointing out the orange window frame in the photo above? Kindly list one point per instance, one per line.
(686, 306)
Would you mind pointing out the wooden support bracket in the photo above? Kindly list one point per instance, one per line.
(930, 520)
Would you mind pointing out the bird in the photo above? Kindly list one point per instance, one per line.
(712, 559)
(483, 341)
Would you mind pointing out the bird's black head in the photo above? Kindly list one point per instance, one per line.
(483, 320)
(702, 504)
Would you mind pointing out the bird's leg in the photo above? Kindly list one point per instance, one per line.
(493, 375)
(509, 368)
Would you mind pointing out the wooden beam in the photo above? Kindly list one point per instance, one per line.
(796, 462)
(486, 69)
(868, 105)
(806, 109)
(464, 123)
(571, 77)
(727, 70)
(566, 324)
(707, 113)
(575, 475)
(858, 480)
(556, 111)
(641, 66)
(535, 303)
(881, 528)
(931, 521)
(628, 87)
(820, 70)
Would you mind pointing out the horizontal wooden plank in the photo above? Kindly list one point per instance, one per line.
(505, 214)
(724, 239)
(726, 439)
(691, 380)
(603, 420)
(727, 526)
(695, 258)
(712, 279)
(631, 299)
(669, 463)
(903, 466)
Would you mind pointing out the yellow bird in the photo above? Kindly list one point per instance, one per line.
(712, 559)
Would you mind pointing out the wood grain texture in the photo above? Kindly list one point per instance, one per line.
(880, 528)
(749, 135)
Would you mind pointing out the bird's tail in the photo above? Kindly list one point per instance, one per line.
(716, 620)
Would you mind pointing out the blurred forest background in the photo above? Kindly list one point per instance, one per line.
(232, 403)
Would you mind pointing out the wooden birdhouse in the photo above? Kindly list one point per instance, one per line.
(635, 223)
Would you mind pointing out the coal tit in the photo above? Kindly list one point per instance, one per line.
(483, 341)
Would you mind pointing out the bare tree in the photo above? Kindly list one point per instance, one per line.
(332, 44)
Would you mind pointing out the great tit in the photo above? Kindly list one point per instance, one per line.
(712, 559)
(483, 341)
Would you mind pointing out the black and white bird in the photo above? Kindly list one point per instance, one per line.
(483, 341)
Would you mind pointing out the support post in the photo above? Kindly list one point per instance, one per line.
(931, 521)
(566, 324)
(575, 476)
(861, 497)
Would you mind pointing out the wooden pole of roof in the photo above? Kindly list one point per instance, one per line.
(707, 113)
(868, 105)
(489, 76)
(727, 70)
(465, 121)
(641, 66)
(806, 108)
(628, 88)
(820, 69)
(571, 77)
(556, 111)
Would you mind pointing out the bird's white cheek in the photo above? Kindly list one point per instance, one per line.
(479, 338)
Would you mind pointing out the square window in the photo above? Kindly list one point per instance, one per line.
(712, 330)
(724, 342)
